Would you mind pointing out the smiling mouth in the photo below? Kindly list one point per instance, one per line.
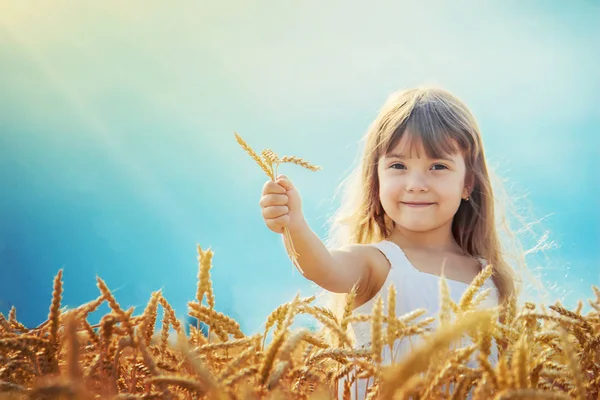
(417, 204)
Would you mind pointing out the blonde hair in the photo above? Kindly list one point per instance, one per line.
(439, 122)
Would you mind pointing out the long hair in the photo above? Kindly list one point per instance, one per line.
(439, 122)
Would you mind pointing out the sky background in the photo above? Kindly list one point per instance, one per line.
(117, 153)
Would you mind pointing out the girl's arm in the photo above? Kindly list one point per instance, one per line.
(336, 270)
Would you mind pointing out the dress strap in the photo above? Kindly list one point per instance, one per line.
(392, 252)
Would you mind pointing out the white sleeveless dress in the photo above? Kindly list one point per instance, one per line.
(414, 290)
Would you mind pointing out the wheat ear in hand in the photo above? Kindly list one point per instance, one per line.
(269, 163)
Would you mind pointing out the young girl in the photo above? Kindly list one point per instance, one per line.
(421, 201)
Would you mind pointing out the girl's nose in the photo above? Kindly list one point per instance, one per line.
(416, 182)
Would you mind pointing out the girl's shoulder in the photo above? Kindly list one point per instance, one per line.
(381, 263)
(378, 269)
(381, 256)
(369, 251)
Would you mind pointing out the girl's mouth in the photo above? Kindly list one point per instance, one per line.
(417, 204)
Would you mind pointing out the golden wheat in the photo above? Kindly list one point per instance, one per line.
(269, 164)
(348, 307)
(549, 354)
(204, 282)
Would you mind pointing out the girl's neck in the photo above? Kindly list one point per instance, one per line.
(440, 239)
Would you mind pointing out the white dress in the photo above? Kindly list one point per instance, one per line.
(414, 290)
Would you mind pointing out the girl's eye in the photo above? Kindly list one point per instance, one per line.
(439, 167)
(397, 166)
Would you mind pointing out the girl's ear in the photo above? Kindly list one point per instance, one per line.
(469, 184)
(466, 193)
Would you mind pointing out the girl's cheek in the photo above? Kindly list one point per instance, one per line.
(395, 187)
(386, 189)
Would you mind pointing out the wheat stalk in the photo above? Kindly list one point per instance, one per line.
(547, 355)
(269, 162)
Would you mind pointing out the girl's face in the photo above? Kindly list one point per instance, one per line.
(418, 193)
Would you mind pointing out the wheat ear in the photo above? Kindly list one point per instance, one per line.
(269, 163)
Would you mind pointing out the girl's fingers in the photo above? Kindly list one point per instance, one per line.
(274, 211)
(277, 224)
(269, 200)
(271, 187)
(283, 180)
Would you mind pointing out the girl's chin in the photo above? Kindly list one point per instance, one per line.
(416, 227)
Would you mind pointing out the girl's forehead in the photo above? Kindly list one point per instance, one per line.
(413, 146)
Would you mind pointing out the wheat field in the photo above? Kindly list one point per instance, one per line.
(544, 353)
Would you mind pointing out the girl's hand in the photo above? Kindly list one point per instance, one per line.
(281, 205)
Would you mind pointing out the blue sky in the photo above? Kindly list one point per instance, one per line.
(117, 153)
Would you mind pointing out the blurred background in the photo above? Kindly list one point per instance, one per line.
(117, 153)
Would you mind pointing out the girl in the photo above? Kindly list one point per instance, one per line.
(421, 200)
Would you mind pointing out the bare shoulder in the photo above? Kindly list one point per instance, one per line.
(369, 254)
(376, 269)
(363, 249)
